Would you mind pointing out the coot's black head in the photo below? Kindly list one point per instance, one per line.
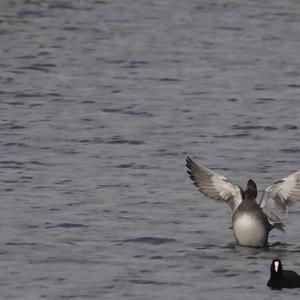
(251, 189)
(276, 268)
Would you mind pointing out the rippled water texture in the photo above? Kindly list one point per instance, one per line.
(100, 103)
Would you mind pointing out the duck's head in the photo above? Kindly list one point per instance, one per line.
(251, 188)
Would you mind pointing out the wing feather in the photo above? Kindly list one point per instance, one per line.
(213, 185)
(278, 196)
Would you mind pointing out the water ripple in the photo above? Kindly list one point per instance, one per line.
(150, 240)
(67, 225)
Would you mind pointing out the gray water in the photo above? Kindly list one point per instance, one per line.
(100, 103)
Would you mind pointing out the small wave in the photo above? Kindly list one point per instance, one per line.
(66, 6)
(67, 225)
(150, 240)
(279, 244)
(133, 166)
(20, 244)
(11, 164)
(290, 150)
(17, 127)
(247, 287)
(221, 271)
(167, 79)
(290, 127)
(136, 64)
(113, 140)
(12, 144)
(111, 110)
(70, 28)
(120, 140)
(156, 257)
(264, 100)
(242, 134)
(229, 28)
(39, 67)
(15, 103)
(137, 113)
(143, 281)
(27, 95)
(253, 127)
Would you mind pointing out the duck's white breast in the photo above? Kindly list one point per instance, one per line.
(250, 231)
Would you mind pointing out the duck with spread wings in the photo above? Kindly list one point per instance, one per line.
(251, 222)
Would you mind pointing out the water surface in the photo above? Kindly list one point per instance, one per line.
(100, 103)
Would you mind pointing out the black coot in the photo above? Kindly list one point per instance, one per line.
(282, 278)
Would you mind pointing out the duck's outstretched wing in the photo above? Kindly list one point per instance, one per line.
(278, 196)
(214, 185)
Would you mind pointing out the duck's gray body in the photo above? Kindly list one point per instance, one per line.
(251, 222)
(250, 231)
(250, 225)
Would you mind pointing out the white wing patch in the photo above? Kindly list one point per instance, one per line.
(278, 196)
(213, 185)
